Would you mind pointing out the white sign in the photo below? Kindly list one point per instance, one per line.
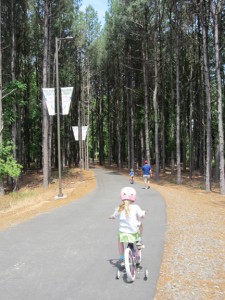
(49, 95)
(66, 93)
(76, 132)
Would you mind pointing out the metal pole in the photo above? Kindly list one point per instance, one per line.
(60, 195)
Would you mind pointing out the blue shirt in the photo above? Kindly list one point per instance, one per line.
(146, 169)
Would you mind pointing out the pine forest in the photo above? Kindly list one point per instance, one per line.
(148, 84)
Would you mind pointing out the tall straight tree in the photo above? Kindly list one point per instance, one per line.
(145, 63)
(204, 18)
(129, 105)
(118, 105)
(13, 74)
(155, 92)
(217, 9)
(178, 154)
(92, 27)
(1, 116)
(129, 108)
(45, 116)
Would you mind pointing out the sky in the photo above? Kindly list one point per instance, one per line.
(99, 5)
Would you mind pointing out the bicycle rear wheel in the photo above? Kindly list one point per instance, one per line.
(129, 264)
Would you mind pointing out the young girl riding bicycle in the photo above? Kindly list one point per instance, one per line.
(129, 215)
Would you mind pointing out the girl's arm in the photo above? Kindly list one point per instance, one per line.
(114, 215)
(140, 213)
(143, 215)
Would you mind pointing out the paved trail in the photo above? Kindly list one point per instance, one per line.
(70, 253)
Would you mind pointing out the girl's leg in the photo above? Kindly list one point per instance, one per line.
(139, 242)
(120, 248)
(139, 257)
(141, 229)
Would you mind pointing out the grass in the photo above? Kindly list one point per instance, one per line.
(16, 198)
(23, 194)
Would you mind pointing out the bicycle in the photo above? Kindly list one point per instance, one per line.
(132, 260)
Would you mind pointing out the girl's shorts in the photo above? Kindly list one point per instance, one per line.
(128, 237)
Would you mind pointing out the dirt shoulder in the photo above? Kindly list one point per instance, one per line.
(193, 265)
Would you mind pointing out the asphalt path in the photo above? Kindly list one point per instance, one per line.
(70, 253)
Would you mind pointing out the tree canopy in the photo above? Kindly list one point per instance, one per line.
(149, 84)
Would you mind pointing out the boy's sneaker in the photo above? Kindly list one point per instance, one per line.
(140, 245)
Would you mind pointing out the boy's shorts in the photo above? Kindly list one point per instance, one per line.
(128, 237)
(146, 178)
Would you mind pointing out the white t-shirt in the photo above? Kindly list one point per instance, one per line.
(131, 223)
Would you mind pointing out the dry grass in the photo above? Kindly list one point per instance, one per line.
(33, 198)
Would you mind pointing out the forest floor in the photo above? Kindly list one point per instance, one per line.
(193, 264)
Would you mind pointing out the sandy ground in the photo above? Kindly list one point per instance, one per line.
(193, 265)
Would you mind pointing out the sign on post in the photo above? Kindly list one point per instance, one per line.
(66, 93)
(49, 96)
(76, 132)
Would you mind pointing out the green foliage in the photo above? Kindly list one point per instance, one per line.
(8, 165)
(14, 86)
(12, 95)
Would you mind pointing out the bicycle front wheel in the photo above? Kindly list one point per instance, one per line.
(129, 264)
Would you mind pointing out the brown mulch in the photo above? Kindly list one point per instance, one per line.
(193, 265)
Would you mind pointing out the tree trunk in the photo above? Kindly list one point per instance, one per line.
(13, 75)
(155, 104)
(89, 92)
(217, 12)
(208, 101)
(118, 114)
(128, 102)
(109, 125)
(1, 116)
(178, 155)
(130, 109)
(45, 116)
(146, 93)
(191, 127)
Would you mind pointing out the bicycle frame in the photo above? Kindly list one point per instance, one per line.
(132, 260)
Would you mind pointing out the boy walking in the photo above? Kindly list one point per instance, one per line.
(147, 173)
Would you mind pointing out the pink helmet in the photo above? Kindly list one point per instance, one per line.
(128, 193)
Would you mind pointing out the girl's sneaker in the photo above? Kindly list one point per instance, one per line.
(121, 263)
